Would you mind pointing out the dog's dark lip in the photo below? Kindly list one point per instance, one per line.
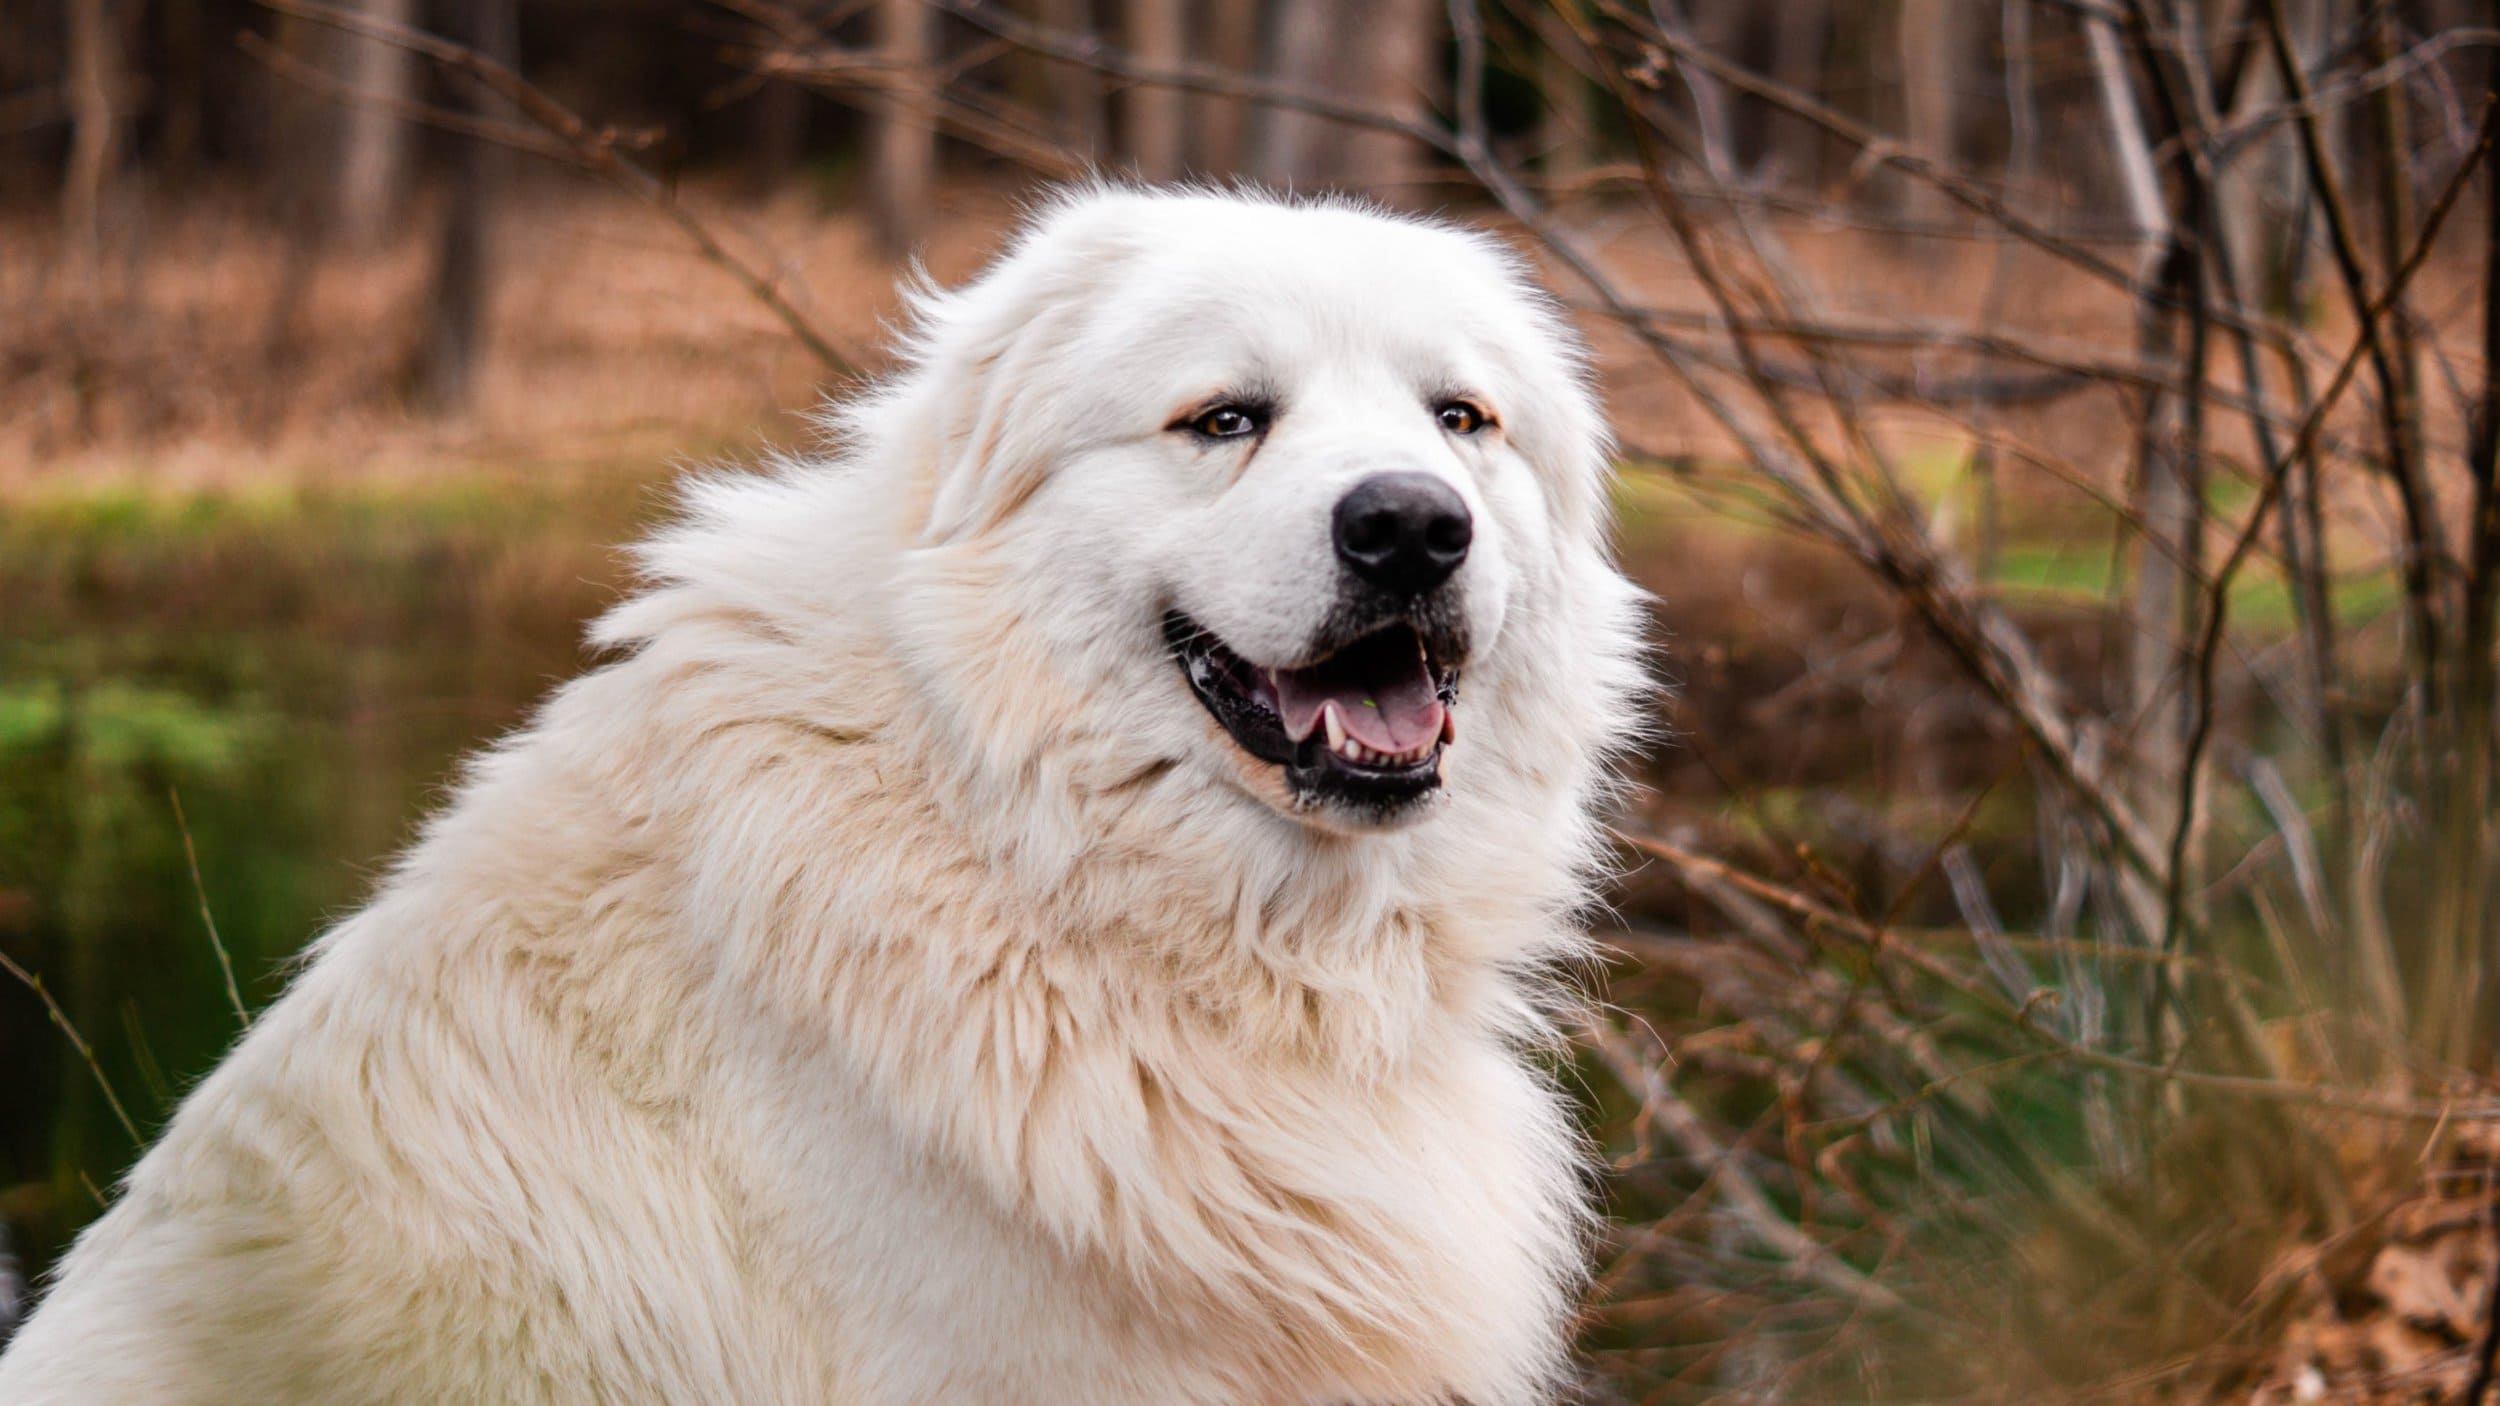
(1241, 697)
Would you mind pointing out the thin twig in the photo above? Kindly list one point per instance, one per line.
(208, 920)
(2328, 98)
(1879, 150)
(2278, 474)
(77, 1042)
(1879, 941)
(2403, 456)
(2478, 625)
(1774, 1232)
(1979, 637)
(2194, 247)
(486, 129)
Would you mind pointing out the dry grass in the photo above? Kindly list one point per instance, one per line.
(218, 352)
(214, 348)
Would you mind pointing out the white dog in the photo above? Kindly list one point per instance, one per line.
(1055, 904)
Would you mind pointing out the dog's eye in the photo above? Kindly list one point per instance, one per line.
(1229, 422)
(1459, 417)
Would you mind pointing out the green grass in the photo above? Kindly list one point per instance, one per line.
(119, 725)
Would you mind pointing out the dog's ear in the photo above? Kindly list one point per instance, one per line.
(993, 354)
(1566, 437)
(989, 460)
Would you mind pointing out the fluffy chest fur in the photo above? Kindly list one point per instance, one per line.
(1209, 1140)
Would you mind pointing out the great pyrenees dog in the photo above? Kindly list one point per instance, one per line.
(1058, 901)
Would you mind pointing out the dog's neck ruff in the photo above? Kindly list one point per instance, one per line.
(1129, 1004)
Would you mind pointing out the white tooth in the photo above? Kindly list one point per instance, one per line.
(1335, 724)
(1449, 726)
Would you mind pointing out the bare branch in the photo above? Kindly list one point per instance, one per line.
(503, 134)
(597, 149)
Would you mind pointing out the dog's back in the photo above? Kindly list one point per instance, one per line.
(448, 1165)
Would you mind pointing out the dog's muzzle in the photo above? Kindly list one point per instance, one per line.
(1362, 725)
(1360, 722)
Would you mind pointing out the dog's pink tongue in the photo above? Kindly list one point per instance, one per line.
(1385, 707)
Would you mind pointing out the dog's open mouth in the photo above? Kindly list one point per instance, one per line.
(1366, 722)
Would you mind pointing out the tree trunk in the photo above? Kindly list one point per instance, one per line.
(96, 85)
(1400, 47)
(2139, 183)
(1301, 47)
(1075, 90)
(373, 142)
(1151, 115)
(2264, 188)
(1931, 38)
(1800, 47)
(1383, 54)
(1228, 38)
(776, 135)
(182, 71)
(2165, 503)
(905, 155)
(462, 295)
(1713, 125)
(2022, 103)
(1566, 123)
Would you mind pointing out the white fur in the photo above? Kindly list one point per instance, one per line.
(883, 983)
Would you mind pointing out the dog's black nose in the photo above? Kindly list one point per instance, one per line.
(1404, 533)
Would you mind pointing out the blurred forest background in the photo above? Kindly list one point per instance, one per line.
(2054, 957)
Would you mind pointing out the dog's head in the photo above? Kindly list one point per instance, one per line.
(1300, 497)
